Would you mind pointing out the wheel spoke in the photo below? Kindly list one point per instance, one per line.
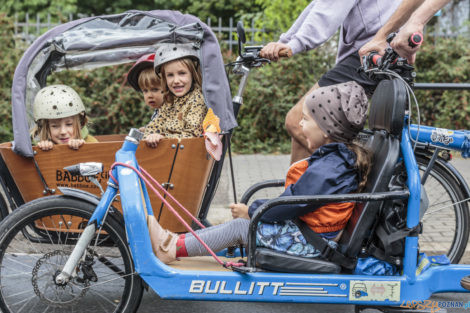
(37, 241)
(27, 300)
(445, 223)
(104, 298)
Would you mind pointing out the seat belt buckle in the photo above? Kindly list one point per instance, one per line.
(327, 252)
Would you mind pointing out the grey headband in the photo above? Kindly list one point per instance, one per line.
(340, 110)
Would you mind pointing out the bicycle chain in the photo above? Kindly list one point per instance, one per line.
(34, 280)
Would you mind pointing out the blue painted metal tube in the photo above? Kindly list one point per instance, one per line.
(307, 288)
(446, 138)
(133, 197)
(412, 218)
(110, 192)
(103, 205)
(147, 202)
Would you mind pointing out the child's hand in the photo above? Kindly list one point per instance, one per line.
(76, 143)
(45, 145)
(239, 210)
(153, 140)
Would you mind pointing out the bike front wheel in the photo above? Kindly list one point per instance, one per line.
(36, 240)
(445, 223)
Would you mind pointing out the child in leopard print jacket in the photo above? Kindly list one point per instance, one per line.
(184, 109)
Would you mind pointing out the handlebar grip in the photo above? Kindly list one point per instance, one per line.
(375, 58)
(285, 53)
(415, 39)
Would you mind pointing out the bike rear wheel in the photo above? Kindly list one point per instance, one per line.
(31, 259)
(445, 223)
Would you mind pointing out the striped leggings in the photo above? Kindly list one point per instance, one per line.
(219, 237)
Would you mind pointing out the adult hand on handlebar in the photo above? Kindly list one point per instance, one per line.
(401, 42)
(272, 51)
(375, 45)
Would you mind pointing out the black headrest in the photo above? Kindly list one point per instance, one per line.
(387, 108)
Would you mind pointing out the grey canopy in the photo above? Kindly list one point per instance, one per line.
(109, 40)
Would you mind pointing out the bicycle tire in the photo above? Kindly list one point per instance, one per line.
(448, 206)
(28, 268)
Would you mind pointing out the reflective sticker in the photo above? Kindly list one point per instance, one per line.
(442, 135)
(125, 171)
(364, 290)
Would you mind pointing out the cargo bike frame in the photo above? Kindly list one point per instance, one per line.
(75, 273)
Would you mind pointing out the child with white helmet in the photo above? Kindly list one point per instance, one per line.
(184, 109)
(60, 118)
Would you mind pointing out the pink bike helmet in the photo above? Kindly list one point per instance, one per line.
(145, 61)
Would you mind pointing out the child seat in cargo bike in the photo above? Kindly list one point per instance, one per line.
(386, 119)
(184, 168)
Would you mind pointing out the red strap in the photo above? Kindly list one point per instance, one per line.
(225, 264)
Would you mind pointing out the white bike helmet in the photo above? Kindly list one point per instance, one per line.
(57, 101)
(167, 52)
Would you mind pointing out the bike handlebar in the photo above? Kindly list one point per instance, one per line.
(251, 56)
(285, 53)
(416, 39)
(391, 61)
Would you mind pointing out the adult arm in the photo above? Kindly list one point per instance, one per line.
(316, 24)
(401, 15)
(415, 24)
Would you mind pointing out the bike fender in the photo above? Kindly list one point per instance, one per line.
(80, 194)
(450, 169)
(463, 183)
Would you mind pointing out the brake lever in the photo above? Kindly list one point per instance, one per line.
(388, 58)
(263, 60)
(391, 61)
(253, 59)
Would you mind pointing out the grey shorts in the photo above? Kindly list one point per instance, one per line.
(347, 70)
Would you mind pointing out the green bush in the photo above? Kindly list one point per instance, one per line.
(444, 60)
(279, 15)
(271, 91)
(10, 57)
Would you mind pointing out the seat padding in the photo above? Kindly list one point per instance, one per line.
(387, 108)
(280, 262)
(386, 118)
(386, 152)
